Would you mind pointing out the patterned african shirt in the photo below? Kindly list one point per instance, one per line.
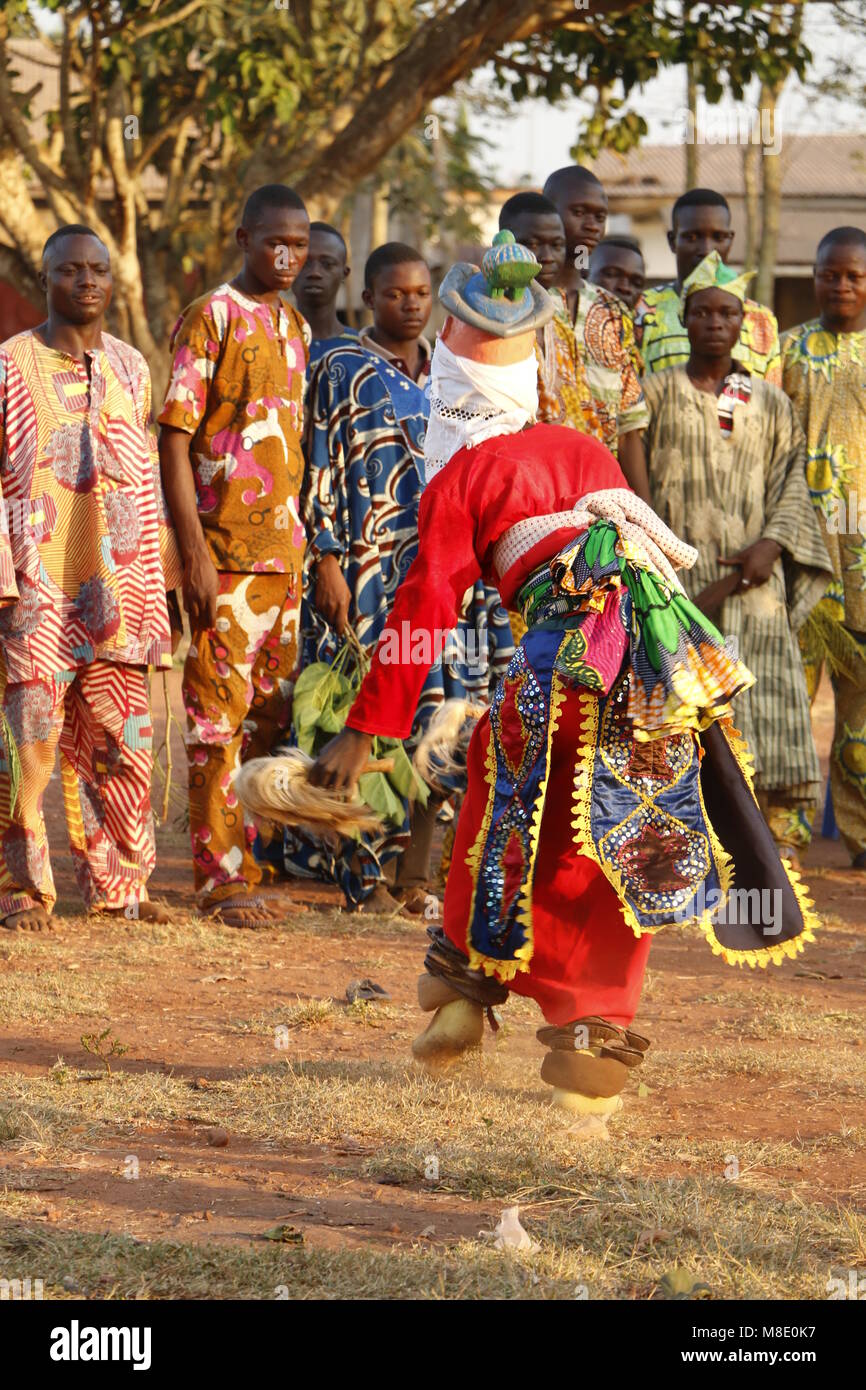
(319, 346)
(364, 482)
(825, 376)
(589, 372)
(92, 550)
(664, 342)
(721, 491)
(237, 386)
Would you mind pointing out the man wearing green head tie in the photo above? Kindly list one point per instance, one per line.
(726, 458)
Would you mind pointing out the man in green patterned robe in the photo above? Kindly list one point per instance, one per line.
(726, 457)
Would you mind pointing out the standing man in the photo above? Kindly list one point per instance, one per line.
(824, 366)
(591, 370)
(323, 275)
(232, 467)
(727, 460)
(92, 557)
(369, 408)
(701, 223)
(617, 265)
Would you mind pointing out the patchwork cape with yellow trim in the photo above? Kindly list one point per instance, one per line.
(662, 799)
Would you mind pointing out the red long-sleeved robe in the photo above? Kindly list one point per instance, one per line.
(586, 960)
(464, 511)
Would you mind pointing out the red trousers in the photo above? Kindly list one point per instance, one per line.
(585, 960)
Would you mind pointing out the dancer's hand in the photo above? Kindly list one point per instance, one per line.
(757, 561)
(341, 762)
(333, 595)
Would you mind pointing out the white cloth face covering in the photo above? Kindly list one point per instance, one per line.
(471, 401)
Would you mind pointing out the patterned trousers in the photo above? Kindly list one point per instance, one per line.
(99, 717)
(237, 693)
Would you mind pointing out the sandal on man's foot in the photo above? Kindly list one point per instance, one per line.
(250, 913)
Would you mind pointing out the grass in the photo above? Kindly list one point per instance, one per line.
(609, 1239)
(612, 1218)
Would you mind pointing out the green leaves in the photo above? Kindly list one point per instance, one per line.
(375, 789)
(323, 696)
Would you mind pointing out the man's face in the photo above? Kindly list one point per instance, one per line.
(323, 272)
(76, 277)
(840, 287)
(699, 231)
(713, 320)
(583, 208)
(543, 234)
(276, 247)
(401, 300)
(619, 270)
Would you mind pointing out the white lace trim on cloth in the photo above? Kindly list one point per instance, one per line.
(473, 401)
(653, 542)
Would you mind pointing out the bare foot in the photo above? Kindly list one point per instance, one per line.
(380, 900)
(414, 900)
(28, 919)
(249, 911)
(137, 912)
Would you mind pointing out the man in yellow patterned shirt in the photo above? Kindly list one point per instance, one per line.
(824, 373)
(701, 223)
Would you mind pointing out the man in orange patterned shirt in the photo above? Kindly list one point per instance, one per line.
(232, 467)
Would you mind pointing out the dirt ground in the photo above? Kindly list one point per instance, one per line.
(257, 1136)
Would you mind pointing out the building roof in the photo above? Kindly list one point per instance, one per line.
(818, 166)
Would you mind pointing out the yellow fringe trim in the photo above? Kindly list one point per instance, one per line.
(783, 950)
(505, 970)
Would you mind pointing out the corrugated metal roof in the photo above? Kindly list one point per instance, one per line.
(825, 166)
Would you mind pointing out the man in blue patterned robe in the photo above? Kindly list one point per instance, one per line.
(367, 411)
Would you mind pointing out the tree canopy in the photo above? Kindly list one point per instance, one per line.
(157, 116)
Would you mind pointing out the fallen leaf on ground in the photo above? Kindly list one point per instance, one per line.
(680, 1283)
(286, 1235)
(658, 1236)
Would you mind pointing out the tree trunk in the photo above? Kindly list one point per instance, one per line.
(752, 182)
(692, 176)
(379, 216)
(771, 167)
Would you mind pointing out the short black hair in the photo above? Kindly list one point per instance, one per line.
(559, 180)
(270, 195)
(626, 243)
(699, 198)
(534, 203)
(70, 229)
(331, 231)
(392, 253)
(842, 236)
